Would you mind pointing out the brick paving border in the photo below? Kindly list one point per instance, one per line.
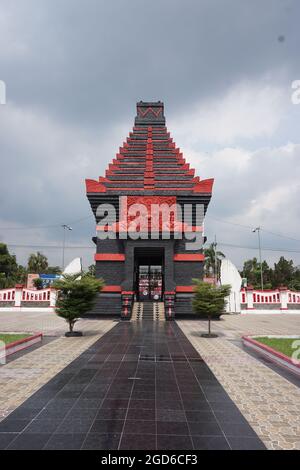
(21, 378)
(269, 402)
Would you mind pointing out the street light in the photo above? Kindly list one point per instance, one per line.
(257, 229)
(64, 226)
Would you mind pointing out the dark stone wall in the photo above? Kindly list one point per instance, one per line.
(186, 271)
(122, 273)
(180, 246)
(183, 305)
(107, 304)
(167, 245)
(111, 271)
(110, 246)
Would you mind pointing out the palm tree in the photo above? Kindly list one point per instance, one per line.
(213, 260)
(37, 263)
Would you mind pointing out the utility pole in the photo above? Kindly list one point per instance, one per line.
(257, 229)
(64, 226)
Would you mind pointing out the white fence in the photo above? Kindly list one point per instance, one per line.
(251, 300)
(270, 301)
(23, 297)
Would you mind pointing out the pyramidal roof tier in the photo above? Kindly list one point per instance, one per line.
(149, 161)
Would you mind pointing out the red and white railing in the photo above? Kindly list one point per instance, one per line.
(269, 300)
(7, 295)
(20, 296)
(30, 295)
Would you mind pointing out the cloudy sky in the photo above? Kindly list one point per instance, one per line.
(74, 70)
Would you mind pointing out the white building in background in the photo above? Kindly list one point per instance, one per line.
(75, 267)
(230, 275)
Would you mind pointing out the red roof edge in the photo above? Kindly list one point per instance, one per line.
(93, 186)
(204, 186)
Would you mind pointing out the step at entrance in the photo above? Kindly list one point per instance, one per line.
(153, 311)
(148, 311)
(137, 311)
(159, 311)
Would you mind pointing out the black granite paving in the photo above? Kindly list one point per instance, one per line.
(141, 386)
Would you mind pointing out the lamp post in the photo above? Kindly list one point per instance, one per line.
(64, 226)
(257, 229)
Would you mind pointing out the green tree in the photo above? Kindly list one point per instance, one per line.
(251, 271)
(38, 283)
(8, 267)
(283, 273)
(21, 275)
(92, 270)
(76, 296)
(209, 301)
(213, 261)
(37, 263)
(53, 270)
(294, 285)
(3, 281)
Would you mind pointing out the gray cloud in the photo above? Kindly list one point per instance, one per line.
(74, 70)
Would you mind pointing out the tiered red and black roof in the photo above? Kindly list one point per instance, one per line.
(149, 162)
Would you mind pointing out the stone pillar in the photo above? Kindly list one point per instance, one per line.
(169, 267)
(18, 294)
(127, 284)
(249, 298)
(127, 304)
(53, 297)
(169, 300)
(283, 292)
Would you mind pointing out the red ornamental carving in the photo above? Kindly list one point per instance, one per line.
(147, 111)
(147, 201)
(143, 217)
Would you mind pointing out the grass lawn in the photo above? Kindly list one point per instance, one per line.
(283, 345)
(11, 338)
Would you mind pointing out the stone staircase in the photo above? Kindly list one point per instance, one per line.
(153, 311)
(159, 311)
(137, 311)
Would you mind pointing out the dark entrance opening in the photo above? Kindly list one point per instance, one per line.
(149, 274)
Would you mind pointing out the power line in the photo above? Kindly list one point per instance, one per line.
(30, 228)
(281, 235)
(236, 224)
(52, 246)
(255, 248)
(229, 223)
(81, 219)
(86, 247)
(35, 227)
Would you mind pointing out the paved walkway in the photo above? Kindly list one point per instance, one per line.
(269, 402)
(167, 379)
(22, 377)
(140, 386)
(46, 322)
(235, 326)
